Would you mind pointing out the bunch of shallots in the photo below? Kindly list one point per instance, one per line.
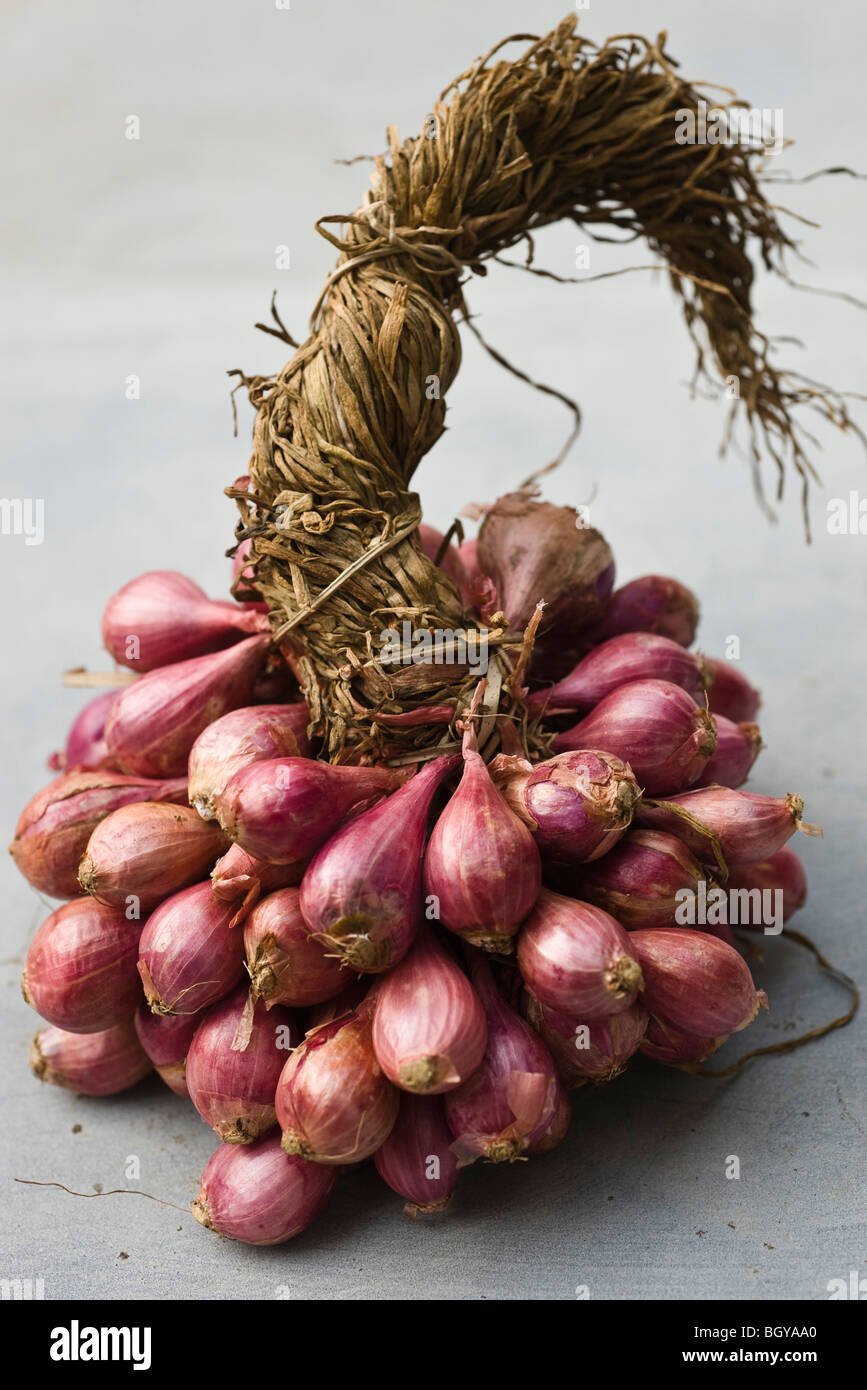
(337, 963)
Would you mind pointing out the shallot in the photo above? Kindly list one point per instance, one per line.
(91, 1064)
(80, 973)
(154, 722)
(334, 1103)
(164, 617)
(232, 1087)
(240, 737)
(655, 727)
(145, 852)
(578, 959)
(429, 1029)
(416, 1160)
(361, 895)
(257, 1194)
(189, 956)
(510, 1101)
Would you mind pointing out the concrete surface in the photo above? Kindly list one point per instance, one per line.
(155, 257)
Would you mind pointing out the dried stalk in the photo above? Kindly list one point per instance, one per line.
(567, 130)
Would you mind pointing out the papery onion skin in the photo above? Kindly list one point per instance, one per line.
(85, 743)
(749, 827)
(154, 722)
(737, 747)
(481, 863)
(510, 1101)
(335, 1104)
(731, 693)
(782, 872)
(147, 851)
(674, 1048)
(56, 824)
(580, 804)
(611, 1042)
(536, 551)
(429, 1028)
(638, 882)
(557, 1129)
(170, 619)
(91, 1064)
(189, 956)
(696, 982)
(577, 958)
(257, 1194)
(284, 809)
(243, 736)
(416, 1160)
(655, 727)
(80, 973)
(618, 661)
(233, 1088)
(361, 895)
(241, 879)
(166, 1040)
(286, 966)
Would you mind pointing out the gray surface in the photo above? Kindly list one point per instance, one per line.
(156, 257)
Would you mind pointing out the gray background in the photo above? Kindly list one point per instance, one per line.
(156, 257)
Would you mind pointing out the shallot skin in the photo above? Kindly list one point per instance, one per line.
(674, 1048)
(535, 550)
(189, 956)
(361, 895)
(578, 959)
(85, 743)
(653, 603)
(782, 872)
(334, 1103)
(243, 736)
(737, 747)
(91, 1064)
(696, 982)
(748, 827)
(241, 879)
(618, 661)
(147, 851)
(557, 1129)
(655, 727)
(80, 973)
(56, 824)
(285, 964)
(259, 1195)
(416, 1160)
(233, 1087)
(154, 722)
(284, 809)
(731, 693)
(163, 617)
(510, 1101)
(481, 863)
(638, 882)
(585, 1052)
(580, 804)
(429, 1029)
